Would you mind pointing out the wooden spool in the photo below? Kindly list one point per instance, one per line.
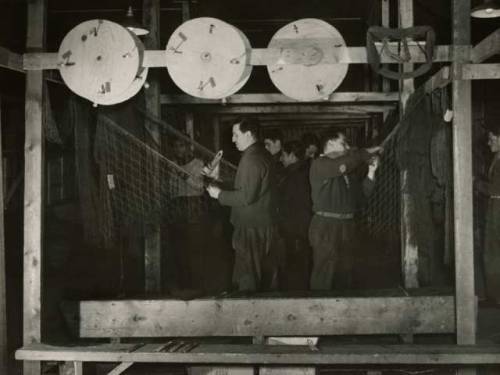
(100, 61)
(307, 68)
(208, 58)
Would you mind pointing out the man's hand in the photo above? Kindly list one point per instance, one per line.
(213, 191)
(373, 166)
(211, 173)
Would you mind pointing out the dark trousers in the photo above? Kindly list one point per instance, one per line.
(297, 271)
(333, 243)
(258, 258)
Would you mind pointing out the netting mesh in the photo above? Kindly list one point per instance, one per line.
(139, 184)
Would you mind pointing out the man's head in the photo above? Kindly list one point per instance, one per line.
(180, 148)
(293, 151)
(245, 132)
(335, 141)
(273, 140)
(311, 145)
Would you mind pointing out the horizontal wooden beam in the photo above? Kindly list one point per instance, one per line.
(266, 317)
(271, 354)
(360, 109)
(481, 71)
(40, 61)
(259, 56)
(489, 46)
(303, 117)
(336, 97)
(11, 60)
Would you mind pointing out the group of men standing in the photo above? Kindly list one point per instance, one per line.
(284, 203)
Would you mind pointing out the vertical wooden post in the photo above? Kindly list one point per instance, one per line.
(152, 245)
(33, 187)
(3, 288)
(409, 250)
(186, 11)
(386, 87)
(462, 178)
(462, 182)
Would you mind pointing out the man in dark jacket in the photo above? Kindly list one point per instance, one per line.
(295, 209)
(252, 213)
(337, 195)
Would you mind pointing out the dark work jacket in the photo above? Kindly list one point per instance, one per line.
(335, 185)
(295, 200)
(254, 188)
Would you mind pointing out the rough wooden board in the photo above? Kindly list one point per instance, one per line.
(462, 181)
(266, 317)
(486, 48)
(260, 56)
(33, 186)
(336, 97)
(480, 71)
(152, 242)
(11, 60)
(286, 354)
(354, 109)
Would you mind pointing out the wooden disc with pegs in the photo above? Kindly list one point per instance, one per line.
(208, 58)
(100, 60)
(133, 89)
(307, 69)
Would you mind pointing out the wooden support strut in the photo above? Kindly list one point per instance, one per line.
(11, 60)
(33, 188)
(259, 56)
(273, 354)
(336, 97)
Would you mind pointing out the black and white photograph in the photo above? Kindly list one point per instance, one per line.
(250, 187)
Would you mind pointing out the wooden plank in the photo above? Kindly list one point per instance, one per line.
(409, 247)
(336, 97)
(120, 368)
(462, 181)
(152, 242)
(266, 317)
(33, 187)
(260, 56)
(4, 357)
(488, 47)
(11, 60)
(385, 21)
(297, 108)
(278, 354)
(480, 71)
(40, 61)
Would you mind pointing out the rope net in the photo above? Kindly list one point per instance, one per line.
(141, 185)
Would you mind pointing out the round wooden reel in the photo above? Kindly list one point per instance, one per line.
(307, 68)
(208, 58)
(100, 60)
